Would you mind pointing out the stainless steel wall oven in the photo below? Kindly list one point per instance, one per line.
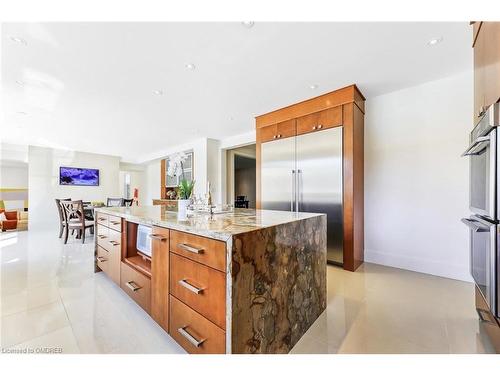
(484, 224)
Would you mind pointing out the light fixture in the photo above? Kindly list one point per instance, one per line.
(190, 66)
(248, 24)
(16, 39)
(158, 92)
(313, 87)
(20, 83)
(435, 41)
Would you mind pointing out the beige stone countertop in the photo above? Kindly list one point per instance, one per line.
(218, 226)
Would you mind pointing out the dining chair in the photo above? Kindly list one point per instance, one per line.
(114, 202)
(62, 222)
(75, 219)
(128, 202)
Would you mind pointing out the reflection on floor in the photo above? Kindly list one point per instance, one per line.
(50, 298)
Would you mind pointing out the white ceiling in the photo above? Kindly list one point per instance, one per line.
(89, 86)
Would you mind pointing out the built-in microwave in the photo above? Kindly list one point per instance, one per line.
(143, 243)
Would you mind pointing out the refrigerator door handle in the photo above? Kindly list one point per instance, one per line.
(297, 198)
(292, 199)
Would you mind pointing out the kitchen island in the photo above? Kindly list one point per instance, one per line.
(248, 281)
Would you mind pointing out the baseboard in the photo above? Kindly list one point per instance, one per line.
(419, 265)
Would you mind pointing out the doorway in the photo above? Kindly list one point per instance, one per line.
(241, 176)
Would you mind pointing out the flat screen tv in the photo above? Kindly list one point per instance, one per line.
(78, 176)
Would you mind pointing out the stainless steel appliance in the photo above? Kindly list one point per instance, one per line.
(484, 192)
(304, 174)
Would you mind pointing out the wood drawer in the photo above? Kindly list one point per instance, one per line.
(200, 287)
(113, 241)
(200, 249)
(136, 285)
(102, 219)
(115, 223)
(102, 235)
(103, 259)
(199, 335)
(329, 118)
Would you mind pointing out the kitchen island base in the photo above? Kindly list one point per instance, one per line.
(251, 281)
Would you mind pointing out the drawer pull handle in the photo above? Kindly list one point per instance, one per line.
(191, 249)
(133, 286)
(320, 126)
(189, 337)
(158, 237)
(314, 127)
(115, 222)
(101, 259)
(190, 287)
(102, 219)
(101, 236)
(114, 243)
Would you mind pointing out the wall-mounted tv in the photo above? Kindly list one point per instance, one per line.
(78, 176)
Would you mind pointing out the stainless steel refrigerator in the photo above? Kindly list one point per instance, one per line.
(304, 174)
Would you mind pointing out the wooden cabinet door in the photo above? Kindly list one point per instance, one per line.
(317, 121)
(268, 133)
(160, 276)
(491, 31)
(479, 75)
(286, 129)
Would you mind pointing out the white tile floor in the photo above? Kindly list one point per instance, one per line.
(51, 298)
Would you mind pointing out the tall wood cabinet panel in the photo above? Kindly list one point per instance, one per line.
(160, 266)
(486, 66)
(343, 107)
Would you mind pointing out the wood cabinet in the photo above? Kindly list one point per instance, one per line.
(108, 243)
(486, 66)
(136, 285)
(185, 268)
(343, 107)
(160, 266)
(277, 131)
(193, 331)
(200, 287)
(321, 120)
(200, 249)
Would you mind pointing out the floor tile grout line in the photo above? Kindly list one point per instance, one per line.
(69, 320)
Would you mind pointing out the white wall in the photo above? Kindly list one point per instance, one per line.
(43, 174)
(14, 177)
(152, 182)
(416, 183)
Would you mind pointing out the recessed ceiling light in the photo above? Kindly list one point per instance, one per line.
(190, 66)
(20, 83)
(435, 41)
(313, 87)
(248, 24)
(19, 40)
(158, 92)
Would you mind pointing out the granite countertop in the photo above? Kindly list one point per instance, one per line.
(218, 226)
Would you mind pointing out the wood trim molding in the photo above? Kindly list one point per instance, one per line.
(335, 98)
(163, 189)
